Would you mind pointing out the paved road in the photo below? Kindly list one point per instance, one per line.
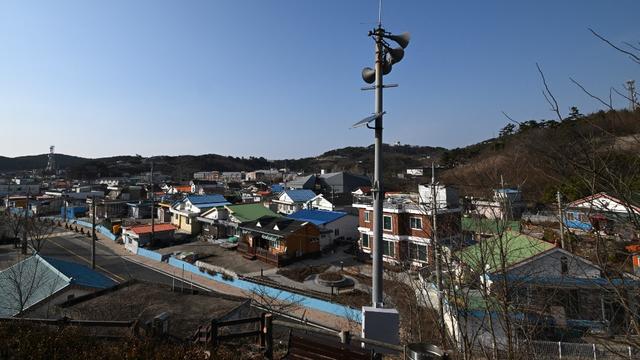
(70, 246)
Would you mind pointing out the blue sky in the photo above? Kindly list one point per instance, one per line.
(282, 78)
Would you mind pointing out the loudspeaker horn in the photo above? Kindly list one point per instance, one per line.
(368, 75)
(402, 39)
(395, 55)
(386, 68)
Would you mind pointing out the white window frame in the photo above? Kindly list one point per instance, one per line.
(367, 216)
(390, 222)
(368, 245)
(414, 218)
(392, 248)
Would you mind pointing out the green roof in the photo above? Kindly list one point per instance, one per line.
(489, 226)
(249, 212)
(514, 246)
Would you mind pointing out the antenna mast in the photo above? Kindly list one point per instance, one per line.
(51, 159)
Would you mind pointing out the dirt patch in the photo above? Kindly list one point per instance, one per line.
(331, 276)
(299, 274)
(355, 298)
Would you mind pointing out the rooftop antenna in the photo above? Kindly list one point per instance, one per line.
(379, 13)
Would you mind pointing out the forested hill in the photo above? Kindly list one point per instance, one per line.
(578, 156)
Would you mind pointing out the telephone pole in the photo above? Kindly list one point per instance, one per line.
(153, 204)
(561, 217)
(25, 226)
(436, 249)
(93, 233)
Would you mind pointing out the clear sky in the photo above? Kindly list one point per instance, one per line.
(282, 79)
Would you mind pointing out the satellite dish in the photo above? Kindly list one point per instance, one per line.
(402, 39)
(368, 75)
(395, 55)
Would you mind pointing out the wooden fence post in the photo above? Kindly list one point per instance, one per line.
(268, 330)
(262, 338)
(345, 337)
(214, 333)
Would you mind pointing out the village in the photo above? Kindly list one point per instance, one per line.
(300, 245)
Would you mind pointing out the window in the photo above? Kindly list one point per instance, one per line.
(336, 232)
(564, 265)
(418, 252)
(389, 248)
(569, 216)
(367, 216)
(415, 223)
(386, 222)
(365, 240)
(273, 244)
(188, 221)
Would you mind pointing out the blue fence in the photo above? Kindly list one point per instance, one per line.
(99, 228)
(309, 302)
(104, 231)
(149, 254)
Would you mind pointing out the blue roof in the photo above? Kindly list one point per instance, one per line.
(317, 217)
(300, 195)
(80, 274)
(206, 199)
(277, 188)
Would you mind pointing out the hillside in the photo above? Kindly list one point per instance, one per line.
(38, 162)
(579, 156)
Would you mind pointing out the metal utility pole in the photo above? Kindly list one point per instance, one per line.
(436, 248)
(385, 57)
(93, 233)
(25, 227)
(378, 190)
(561, 217)
(153, 204)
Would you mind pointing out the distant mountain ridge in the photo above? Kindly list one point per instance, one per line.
(355, 159)
(30, 162)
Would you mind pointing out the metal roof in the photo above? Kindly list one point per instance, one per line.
(206, 199)
(35, 279)
(27, 283)
(80, 274)
(301, 195)
(317, 217)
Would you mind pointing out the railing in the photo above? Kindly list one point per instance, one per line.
(270, 258)
(211, 336)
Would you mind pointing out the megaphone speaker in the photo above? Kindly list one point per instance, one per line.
(368, 75)
(402, 39)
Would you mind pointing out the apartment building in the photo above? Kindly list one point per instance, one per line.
(407, 226)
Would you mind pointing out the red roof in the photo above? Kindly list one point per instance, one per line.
(146, 229)
(183, 188)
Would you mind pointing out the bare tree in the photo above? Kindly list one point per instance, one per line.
(276, 301)
(38, 231)
(26, 283)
